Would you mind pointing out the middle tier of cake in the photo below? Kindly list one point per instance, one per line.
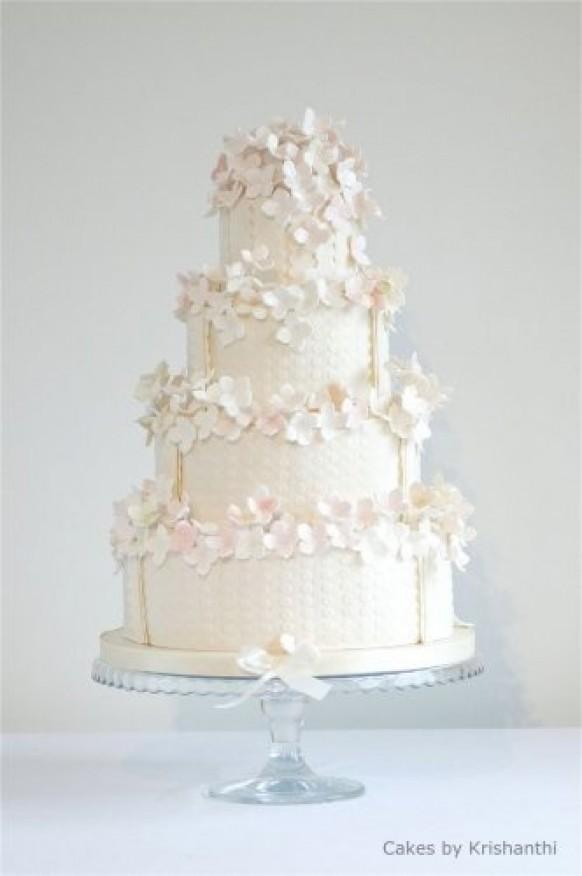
(355, 464)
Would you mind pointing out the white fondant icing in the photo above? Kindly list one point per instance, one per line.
(338, 351)
(355, 464)
(246, 226)
(334, 600)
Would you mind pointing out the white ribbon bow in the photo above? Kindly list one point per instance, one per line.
(295, 666)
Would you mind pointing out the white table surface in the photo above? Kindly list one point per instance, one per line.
(131, 804)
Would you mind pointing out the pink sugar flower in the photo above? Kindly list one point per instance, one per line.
(184, 537)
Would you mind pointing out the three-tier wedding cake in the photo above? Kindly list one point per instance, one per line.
(288, 507)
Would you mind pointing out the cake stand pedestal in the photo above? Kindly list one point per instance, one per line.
(286, 778)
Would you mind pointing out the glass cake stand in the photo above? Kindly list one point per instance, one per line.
(286, 778)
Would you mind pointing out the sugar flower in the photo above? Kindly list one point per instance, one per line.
(418, 395)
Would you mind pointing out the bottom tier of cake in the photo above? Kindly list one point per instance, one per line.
(120, 653)
(335, 602)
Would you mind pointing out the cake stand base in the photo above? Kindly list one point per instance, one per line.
(286, 778)
(303, 787)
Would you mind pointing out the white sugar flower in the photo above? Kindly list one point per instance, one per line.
(152, 384)
(312, 538)
(279, 149)
(282, 537)
(259, 181)
(263, 506)
(390, 504)
(347, 176)
(422, 540)
(371, 544)
(239, 280)
(258, 258)
(228, 325)
(301, 427)
(358, 250)
(222, 540)
(407, 415)
(341, 534)
(338, 214)
(294, 332)
(249, 543)
(365, 514)
(355, 412)
(270, 421)
(301, 264)
(330, 421)
(283, 300)
(310, 233)
(438, 513)
(232, 394)
(427, 385)
(239, 516)
(144, 511)
(228, 196)
(228, 428)
(288, 399)
(298, 179)
(359, 290)
(388, 289)
(126, 540)
(310, 123)
(335, 508)
(409, 411)
(182, 434)
(456, 554)
(279, 206)
(199, 297)
(202, 557)
(204, 420)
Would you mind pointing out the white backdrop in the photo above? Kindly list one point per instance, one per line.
(113, 117)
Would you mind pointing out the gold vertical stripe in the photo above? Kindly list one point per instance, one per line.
(252, 225)
(179, 479)
(403, 465)
(207, 342)
(142, 599)
(421, 601)
(374, 352)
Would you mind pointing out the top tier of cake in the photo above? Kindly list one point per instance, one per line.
(297, 190)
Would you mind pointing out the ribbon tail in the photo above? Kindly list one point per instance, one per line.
(312, 687)
(250, 690)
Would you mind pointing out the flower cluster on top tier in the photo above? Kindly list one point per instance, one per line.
(309, 180)
(409, 409)
(430, 519)
(225, 295)
(190, 409)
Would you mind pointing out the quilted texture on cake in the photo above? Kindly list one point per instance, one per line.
(337, 352)
(246, 226)
(334, 600)
(352, 465)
